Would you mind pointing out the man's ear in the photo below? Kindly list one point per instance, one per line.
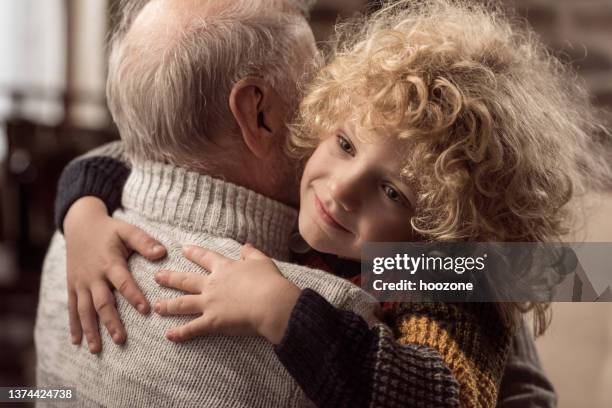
(259, 112)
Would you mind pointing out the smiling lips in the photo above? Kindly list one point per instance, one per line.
(326, 216)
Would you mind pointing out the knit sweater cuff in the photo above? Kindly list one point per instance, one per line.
(99, 176)
(306, 338)
(320, 343)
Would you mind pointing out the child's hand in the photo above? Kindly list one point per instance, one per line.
(97, 249)
(244, 298)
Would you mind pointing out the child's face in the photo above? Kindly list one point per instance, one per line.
(351, 193)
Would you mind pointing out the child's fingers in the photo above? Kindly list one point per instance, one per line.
(206, 258)
(188, 304)
(89, 322)
(248, 251)
(122, 279)
(76, 332)
(104, 303)
(194, 328)
(138, 240)
(185, 281)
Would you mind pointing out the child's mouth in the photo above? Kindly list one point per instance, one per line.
(326, 216)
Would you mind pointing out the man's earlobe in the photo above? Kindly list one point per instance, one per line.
(258, 111)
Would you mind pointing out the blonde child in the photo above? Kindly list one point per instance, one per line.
(436, 121)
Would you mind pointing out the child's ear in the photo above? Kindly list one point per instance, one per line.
(259, 113)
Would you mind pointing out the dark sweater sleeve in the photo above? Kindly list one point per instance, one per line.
(524, 383)
(339, 361)
(100, 173)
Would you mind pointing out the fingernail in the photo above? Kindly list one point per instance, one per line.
(75, 340)
(141, 308)
(170, 335)
(157, 248)
(117, 337)
(157, 307)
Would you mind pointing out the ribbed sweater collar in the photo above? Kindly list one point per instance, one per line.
(199, 203)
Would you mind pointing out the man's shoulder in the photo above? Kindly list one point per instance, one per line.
(336, 290)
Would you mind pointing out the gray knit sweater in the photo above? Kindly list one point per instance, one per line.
(179, 207)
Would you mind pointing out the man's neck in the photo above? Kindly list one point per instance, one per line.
(200, 203)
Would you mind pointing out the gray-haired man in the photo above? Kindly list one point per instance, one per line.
(200, 91)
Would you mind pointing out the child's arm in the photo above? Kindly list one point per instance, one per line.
(443, 355)
(524, 383)
(335, 357)
(471, 339)
(100, 173)
(88, 190)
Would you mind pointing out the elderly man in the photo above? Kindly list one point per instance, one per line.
(171, 74)
(200, 92)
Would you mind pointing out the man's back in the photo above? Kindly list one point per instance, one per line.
(177, 208)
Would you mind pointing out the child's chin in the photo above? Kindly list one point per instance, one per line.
(316, 241)
(313, 241)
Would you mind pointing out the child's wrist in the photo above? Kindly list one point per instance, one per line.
(84, 209)
(277, 313)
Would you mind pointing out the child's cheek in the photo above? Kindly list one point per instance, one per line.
(390, 228)
(315, 163)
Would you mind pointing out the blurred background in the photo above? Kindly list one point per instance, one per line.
(52, 108)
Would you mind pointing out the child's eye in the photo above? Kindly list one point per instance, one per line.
(392, 193)
(345, 145)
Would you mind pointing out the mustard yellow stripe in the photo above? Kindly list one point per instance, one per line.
(477, 387)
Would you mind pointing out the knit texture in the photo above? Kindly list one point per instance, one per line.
(341, 362)
(178, 207)
(467, 338)
(471, 339)
(524, 383)
(98, 173)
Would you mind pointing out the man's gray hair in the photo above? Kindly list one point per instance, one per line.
(168, 97)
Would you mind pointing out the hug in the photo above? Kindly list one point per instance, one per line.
(212, 256)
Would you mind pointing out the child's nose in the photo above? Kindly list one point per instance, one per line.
(344, 191)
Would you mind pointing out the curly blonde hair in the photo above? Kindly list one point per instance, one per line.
(501, 132)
